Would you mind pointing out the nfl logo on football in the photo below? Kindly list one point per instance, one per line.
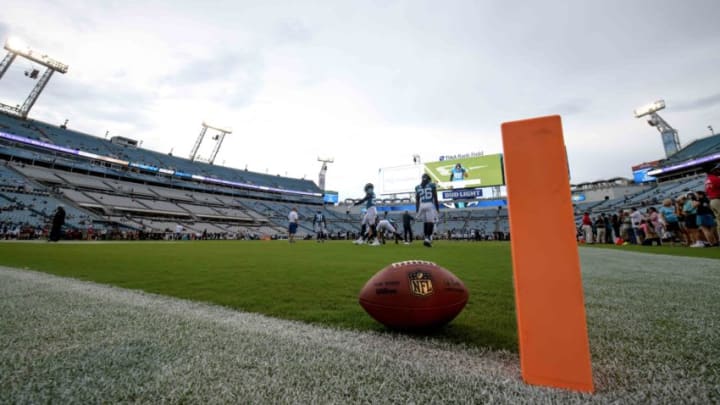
(420, 283)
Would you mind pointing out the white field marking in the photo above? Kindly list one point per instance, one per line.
(653, 324)
(93, 242)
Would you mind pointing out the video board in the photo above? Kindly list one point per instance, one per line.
(480, 171)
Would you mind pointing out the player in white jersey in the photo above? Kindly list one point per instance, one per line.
(320, 226)
(386, 227)
(427, 207)
(292, 224)
(367, 230)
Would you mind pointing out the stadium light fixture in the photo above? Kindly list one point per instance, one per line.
(226, 130)
(15, 44)
(218, 141)
(323, 170)
(669, 135)
(17, 47)
(649, 109)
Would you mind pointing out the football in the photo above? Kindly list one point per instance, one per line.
(413, 294)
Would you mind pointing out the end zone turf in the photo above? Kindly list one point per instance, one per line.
(650, 322)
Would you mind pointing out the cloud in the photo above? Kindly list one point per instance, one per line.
(570, 107)
(4, 31)
(413, 77)
(98, 102)
(698, 103)
(234, 78)
(214, 68)
(291, 32)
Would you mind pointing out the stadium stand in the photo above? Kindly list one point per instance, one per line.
(128, 197)
(119, 190)
(696, 149)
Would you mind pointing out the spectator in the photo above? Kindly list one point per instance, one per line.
(626, 231)
(608, 229)
(668, 215)
(651, 237)
(712, 189)
(600, 227)
(635, 218)
(683, 233)
(587, 228)
(615, 224)
(690, 212)
(654, 220)
(705, 218)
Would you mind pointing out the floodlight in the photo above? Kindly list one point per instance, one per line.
(326, 159)
(218, 138)
(15, 44)
(226, 130)
(669, 135)
(650, 108)
(16, 47)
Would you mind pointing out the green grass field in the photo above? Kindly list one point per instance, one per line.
(306, 281)
(650, 325)
(708, 253)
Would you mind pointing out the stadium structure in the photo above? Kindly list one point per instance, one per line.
(194, 330)
(115, 189)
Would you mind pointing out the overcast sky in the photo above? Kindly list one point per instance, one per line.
(371, 83)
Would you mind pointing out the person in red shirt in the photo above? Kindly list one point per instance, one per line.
(712, 190)
(587, 228)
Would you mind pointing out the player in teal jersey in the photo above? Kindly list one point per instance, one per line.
(427, 206)
(458, 173)
(367, 229)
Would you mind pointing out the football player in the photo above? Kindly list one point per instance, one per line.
(320, 226)
(458, 173)
(368, 220)
(427, 207)
(385, 226)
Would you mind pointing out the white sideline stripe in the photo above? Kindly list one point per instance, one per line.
(72, 341)
(349, 356)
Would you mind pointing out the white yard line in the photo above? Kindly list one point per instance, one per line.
(651, 328)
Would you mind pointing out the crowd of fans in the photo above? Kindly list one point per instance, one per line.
(686, 220)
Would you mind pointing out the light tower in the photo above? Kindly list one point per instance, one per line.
(669, 135)
(218, 138)
(16, 48)
(323, 171)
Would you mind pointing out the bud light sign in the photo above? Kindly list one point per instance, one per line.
(465, 194)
